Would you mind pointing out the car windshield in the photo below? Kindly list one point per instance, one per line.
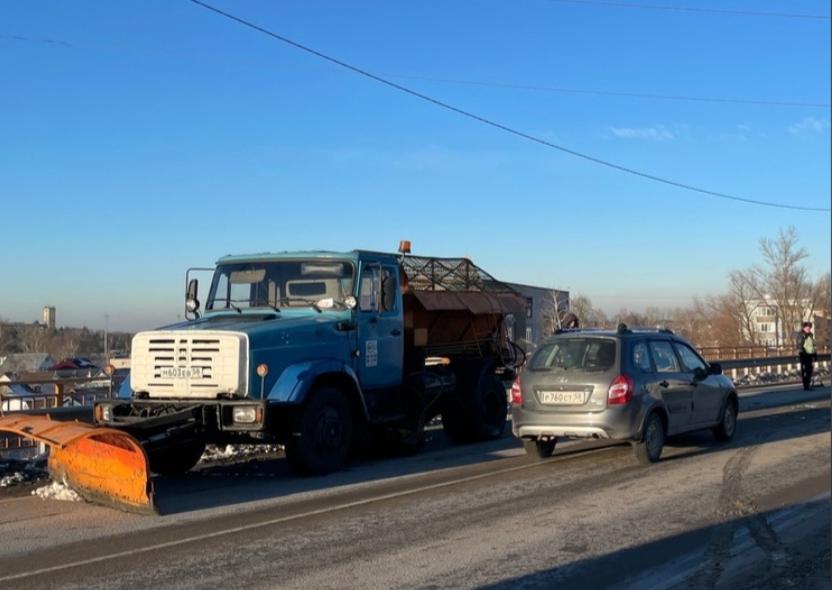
(586, 354)
(278, 285)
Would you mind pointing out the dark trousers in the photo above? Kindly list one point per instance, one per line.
(806, 369)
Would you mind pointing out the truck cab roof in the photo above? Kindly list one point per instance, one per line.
(353, 255)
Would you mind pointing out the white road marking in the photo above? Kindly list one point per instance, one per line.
(284, 519)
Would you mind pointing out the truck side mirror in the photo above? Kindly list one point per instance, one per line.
(191, 301)
(715, 369)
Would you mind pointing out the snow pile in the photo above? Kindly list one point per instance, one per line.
(785, 376)
(56, 491)
(12, 479)
(227, 453)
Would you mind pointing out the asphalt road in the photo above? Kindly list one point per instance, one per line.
(751, 514)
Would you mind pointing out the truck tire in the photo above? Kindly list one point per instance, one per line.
(539, 449)
(322, 436)
(176, 460)
(482, 416)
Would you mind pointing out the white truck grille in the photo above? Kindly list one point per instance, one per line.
(189, 363)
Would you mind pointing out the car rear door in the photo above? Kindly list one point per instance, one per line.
(671, 384)
(707, 392)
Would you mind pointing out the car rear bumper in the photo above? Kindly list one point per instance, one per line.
(620, 423)
(561, 431)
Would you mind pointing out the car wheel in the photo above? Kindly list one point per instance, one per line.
(649, 448)
(539, 449)
(325, 428)
(724, 431)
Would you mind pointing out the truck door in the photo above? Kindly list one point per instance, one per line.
(380, 337)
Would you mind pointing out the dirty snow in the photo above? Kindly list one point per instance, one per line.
(17, 471)
(220, 453)
(56, 491)
(12, 479)
(785, 376)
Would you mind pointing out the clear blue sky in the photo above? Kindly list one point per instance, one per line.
(140, 138)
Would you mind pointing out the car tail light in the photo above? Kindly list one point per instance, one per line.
(516, 392)
(621, 390)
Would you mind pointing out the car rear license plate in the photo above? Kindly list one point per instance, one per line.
(181, 373)
(562, 397)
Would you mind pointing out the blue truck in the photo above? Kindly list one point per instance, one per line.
(324, 353)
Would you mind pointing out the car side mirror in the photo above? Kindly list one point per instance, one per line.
(191, 301)
(700, 374)
(714, 369)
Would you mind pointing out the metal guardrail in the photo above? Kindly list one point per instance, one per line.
(741, 353)
(772, 361)
(64, 403)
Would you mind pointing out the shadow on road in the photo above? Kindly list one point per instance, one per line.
(263, 478)
(787, 547)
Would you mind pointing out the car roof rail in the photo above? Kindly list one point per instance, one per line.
(645, 329)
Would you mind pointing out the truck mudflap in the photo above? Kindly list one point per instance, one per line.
(104, 465)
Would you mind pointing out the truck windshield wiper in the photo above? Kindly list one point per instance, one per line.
(313, 303)
(260, 303)
(234, 307)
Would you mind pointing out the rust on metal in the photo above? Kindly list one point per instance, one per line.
(103, 465)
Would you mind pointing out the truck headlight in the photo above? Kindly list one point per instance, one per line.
(245, 415)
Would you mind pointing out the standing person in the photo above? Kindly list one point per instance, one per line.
(807, 352)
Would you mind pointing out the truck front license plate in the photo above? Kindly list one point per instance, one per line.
(562, 397)
(181, 373)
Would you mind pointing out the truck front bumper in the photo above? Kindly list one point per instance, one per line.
(204, 415)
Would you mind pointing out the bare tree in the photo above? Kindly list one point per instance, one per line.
(589, 315)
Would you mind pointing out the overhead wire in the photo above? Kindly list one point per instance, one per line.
(698, 9)
(501, 126)
(506, 85)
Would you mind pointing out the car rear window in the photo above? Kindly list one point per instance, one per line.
(586, 354)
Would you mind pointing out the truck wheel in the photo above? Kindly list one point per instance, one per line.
(491, 409)
(325, 434)
(482, 418)
(649, 448)
(176, 460)
(539, 449)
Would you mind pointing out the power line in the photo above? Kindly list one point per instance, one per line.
(701, 10)
(497, 125)
(680, 97)
(508, 85)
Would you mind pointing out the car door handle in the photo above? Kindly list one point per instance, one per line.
(396, 332)
(664, 384)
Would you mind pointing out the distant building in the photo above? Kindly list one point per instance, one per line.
(544, 309)
(49, 317)
(767, 322)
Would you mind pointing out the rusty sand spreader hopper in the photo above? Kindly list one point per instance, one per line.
(104, 465)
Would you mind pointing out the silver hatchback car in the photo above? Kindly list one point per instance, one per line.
(629, 385)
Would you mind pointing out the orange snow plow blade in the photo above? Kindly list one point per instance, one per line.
(104, 465)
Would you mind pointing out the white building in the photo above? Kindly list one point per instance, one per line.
(49, 317)
(768, 325)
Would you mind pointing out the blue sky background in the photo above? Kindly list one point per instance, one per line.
(140, 138)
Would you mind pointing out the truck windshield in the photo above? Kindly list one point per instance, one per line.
(279, 285)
